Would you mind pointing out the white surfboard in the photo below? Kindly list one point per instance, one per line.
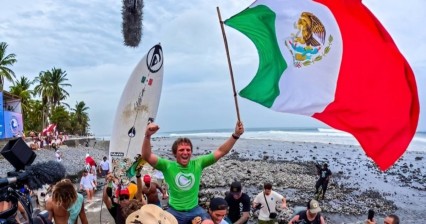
(137, 107)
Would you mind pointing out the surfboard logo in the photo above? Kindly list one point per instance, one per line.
(154, 59)
(132, 132)
(184, 181)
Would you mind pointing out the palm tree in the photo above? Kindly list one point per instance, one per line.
(22, 89)
(5, 62)
(44, 87)
(45, 90)
(58, 79)
(35, 116)
(81, 116)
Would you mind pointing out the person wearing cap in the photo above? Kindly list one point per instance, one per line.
(217, 211)
(312, 214)
(237, 199)
(324, 177)
(267, 201)
(184, 175)
(150, 190)
(115, 203)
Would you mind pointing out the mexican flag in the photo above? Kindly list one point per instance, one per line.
(334, 61)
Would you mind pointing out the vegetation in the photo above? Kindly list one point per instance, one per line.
(45, 103)
(6, 61)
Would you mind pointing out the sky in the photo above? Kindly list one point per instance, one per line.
(84, 38)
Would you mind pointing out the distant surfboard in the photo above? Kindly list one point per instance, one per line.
(137, 107)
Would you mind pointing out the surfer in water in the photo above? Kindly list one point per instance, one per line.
(184, 175)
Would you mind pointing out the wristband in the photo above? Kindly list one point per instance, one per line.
(234, 136)
(138, 176)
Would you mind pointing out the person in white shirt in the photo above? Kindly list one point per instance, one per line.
(266, 201)
(58, 155)
(104, 167)
(87, 184)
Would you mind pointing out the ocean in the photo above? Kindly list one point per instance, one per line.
(320, 135)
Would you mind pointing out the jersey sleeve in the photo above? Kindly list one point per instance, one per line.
(206, 160)
(162, 164)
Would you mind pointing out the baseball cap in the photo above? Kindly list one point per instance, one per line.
(151, 214)
(218, 204)
(147, 178)
(313, 206)
(235, 187)
(124, 191)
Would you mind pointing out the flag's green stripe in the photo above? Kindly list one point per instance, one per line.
(258, 24)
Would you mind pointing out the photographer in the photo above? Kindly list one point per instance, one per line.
(311, 215)
(268, 200)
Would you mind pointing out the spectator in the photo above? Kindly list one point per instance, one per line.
(58, 154)
(311, 215)
(267, 200)
(150, 190)
(120, 207)
(87, 184)
(239, 204)
(324, 177)
(217, 211)
(104, 167)
(390, 219)
(66, 205)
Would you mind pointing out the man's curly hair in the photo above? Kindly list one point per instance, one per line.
(64, 193)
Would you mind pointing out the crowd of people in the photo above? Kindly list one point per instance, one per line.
(140, 200)
(38, 141)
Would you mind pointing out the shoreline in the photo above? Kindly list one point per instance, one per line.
(357, 183)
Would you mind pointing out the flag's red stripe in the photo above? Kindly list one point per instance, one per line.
(376, 96)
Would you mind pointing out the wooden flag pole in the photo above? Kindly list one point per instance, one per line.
(229, 63)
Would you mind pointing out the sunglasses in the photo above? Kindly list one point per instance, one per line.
(124, 197)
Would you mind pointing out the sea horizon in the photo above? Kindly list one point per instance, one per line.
(312, 135)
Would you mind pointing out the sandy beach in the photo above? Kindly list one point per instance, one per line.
(357, 184)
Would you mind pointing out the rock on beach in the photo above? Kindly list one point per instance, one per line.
(357, 184)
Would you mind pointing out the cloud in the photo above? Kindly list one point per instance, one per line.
(84, 38)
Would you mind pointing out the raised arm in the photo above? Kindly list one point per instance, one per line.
(229, 143)
(147, 154)
(139, 194)
(106, 199)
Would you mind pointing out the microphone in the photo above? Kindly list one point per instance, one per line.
(35, 176)
(132, 22)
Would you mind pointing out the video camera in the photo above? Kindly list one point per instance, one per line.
(258, 207)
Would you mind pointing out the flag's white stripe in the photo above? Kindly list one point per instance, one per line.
(309, 89)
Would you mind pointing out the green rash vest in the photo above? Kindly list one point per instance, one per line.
(184, 182)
